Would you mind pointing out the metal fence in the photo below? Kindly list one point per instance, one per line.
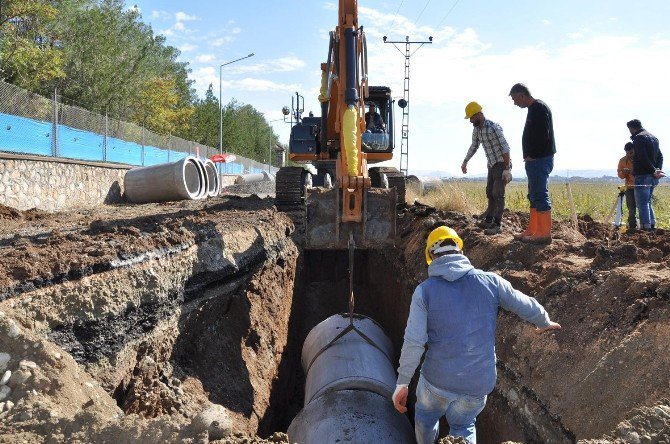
(33, 124)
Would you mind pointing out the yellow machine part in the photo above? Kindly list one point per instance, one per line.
(350, 139)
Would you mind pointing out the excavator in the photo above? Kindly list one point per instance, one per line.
(345, 202)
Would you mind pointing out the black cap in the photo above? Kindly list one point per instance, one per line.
(629, 146)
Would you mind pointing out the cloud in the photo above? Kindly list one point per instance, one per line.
(179, 26)
(183, 17)
(546, 22)
(161, 15)
(253, 84)
(205, 76)
(221, 41)
(330, 6)
(236, 30)
(205, 58)
(187, 47)
(283, 64)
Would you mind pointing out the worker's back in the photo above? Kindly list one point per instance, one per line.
(462, 305)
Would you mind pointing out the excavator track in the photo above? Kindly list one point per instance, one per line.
(290, 194)
(395, 178)
(290, 189)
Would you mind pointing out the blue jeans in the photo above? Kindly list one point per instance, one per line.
(644, 191)
(460, 410)
(538, 171)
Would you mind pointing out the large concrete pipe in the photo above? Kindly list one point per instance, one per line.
(349, 386)
(212, 179)
(252, 178)
(178, 180)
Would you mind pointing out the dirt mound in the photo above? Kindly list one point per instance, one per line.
(647, 425)
(9, 213)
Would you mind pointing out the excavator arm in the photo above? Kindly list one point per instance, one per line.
(353, 208)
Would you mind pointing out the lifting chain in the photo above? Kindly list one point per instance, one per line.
(351, 327)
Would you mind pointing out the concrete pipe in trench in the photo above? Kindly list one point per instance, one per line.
(213, 181)
(180, 180)
(348, 387)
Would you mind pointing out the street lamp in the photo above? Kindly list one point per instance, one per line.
(220, 104)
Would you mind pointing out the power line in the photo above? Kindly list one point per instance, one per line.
(447, 14)
(421, 13)
(396, 13)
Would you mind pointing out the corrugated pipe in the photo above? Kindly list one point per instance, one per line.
(349, 386)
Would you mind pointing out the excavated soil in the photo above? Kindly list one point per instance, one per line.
(183, 322)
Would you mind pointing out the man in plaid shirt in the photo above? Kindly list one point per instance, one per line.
(490, 135)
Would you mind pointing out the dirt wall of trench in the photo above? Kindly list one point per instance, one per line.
(163, 316)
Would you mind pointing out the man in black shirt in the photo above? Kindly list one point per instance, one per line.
(539, 148)
(647, 165)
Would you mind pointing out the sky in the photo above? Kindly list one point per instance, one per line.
(596, 64)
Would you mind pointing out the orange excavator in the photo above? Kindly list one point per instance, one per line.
(345, 202)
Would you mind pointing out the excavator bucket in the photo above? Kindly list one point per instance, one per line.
(324, 229)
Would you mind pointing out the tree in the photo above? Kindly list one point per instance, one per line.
(204, 126)
(158, 107)
(29, 53)
(111, 58)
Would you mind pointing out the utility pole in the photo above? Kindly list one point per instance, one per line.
(404, 140)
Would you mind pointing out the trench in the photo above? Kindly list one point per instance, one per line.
(233, 336)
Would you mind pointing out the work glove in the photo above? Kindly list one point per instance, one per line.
(506, 176)
(400, 397)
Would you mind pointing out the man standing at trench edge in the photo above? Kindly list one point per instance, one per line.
(647, 169)
(490, 135)
(454, 313)
(539, 148)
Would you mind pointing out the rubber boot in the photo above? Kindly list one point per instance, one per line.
(532, 226)
(543, 233)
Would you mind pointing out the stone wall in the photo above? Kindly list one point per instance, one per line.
(52, 184)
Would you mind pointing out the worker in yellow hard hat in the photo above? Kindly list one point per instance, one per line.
(490, 135)
(454, 312)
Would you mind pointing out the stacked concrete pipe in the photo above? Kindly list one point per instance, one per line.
(214, 184)
(181, 180)
(348, 387)
(204, 180)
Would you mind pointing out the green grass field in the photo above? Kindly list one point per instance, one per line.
(591, 198)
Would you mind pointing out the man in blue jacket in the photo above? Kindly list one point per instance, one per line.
(454, 313)
(647, 166)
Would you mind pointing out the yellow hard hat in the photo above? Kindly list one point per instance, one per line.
(471, 109)
(439, 234)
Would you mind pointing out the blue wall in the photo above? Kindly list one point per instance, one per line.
(28, 136)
